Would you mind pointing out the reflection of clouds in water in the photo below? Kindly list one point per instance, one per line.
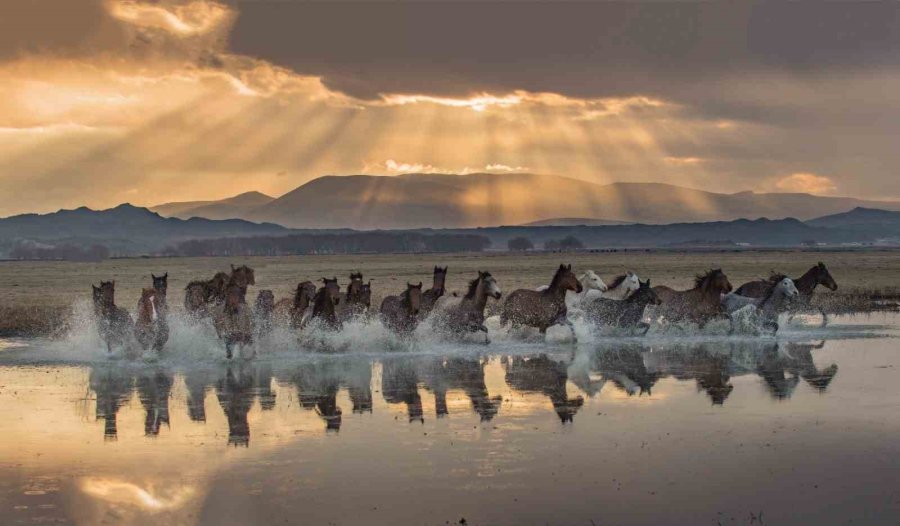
(151, 499)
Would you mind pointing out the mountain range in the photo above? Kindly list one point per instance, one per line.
(125, 229)
(412, 201)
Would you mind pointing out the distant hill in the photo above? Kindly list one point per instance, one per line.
(486, 199)
(757, 232)
(883, 225)
(125, 229)
(232, 208)
(575, 221)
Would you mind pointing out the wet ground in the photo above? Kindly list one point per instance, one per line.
(668, 429)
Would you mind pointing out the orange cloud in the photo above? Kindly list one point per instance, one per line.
(806, 183)
(195, 18)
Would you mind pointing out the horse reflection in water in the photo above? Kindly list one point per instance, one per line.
(400, 385)
(544, 375)
(113, 387)
(317, 385)
(634, 368)
(154, 388)
(635, 371)
(235, 394)
(463, 374)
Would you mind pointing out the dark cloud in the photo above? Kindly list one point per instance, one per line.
(61, 27)
(580, 48)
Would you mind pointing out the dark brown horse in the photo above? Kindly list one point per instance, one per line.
(627, 313)
(806, 285)
(114, 324)
(465, 315)
(200, 296)
(700, 304)
(430, 296)
(324, 304)
(354, 302)
(541, 309)
(233, 321)
(290, 311)
(400, 313)
(161, 286)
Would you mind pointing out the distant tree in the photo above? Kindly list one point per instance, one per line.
(520, 243)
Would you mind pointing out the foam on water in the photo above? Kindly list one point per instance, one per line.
(195, 341)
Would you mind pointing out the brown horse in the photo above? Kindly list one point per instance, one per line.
(464, 315)
(199, 296)
(147, 325)
(161, 286)
(627, 313)
(233, 321)
(400, 313)
(542, 309)
(324, 304)
(700, 304)
(806, 285)
(354, 302)
(430, 296)
(290, 311)
(114, 324)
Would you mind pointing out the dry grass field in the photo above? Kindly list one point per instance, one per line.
(35, 296)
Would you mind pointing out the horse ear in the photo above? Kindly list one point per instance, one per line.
(569, 267)
(821, 265)
(152, 276)
(420, 285)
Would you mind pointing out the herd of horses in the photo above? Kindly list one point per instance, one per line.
(622, 303)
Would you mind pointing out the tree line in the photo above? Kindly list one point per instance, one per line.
(355, 243)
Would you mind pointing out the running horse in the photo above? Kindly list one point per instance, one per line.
(431, 296)
(700, 304)
(233, 320)
(354, 302)
(200, 296)
(541, 309)
(114, 323)
(400, 313)
(806, 285)
(146, 326)
(466, 314)
(324, 304)
(627, 313)
(291, 311)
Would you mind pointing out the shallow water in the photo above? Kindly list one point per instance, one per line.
(668, 429)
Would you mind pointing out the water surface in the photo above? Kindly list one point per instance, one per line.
(802, 429)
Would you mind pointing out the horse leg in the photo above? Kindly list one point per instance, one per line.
(824, 317)
(228, 346)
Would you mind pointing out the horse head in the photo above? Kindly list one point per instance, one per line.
(147, 304)
(491, 287)
(645, 294)
(108, 292)
(306, 290)
(591, 281)
(331, 285)
(161, 283)
(355, 285)
(787, 288)
(565, 279)
(414, 297)
(243, 275)
(823, 277)
(265, 301)
(440, 277)
(365, 294)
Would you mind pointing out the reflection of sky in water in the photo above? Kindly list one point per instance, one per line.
(622, 432)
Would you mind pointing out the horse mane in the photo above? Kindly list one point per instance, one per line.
(473, 285)
(775, 277)
(701, 279)
(616, 281)
(554, 283)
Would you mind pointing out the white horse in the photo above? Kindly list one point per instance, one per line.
(765, 308)
(591, 284)
(623, 286)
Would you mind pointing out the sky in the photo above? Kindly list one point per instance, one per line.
(150, 101)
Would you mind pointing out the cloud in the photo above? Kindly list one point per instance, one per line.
(391, 166)
(195, 18)
(806, 183)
